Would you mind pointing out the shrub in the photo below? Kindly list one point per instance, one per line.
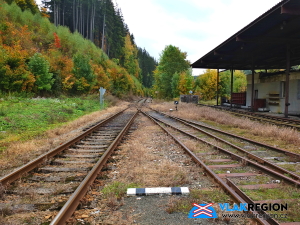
(39, 66)
(83, 73)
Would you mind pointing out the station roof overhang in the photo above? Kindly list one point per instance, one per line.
(263, 44)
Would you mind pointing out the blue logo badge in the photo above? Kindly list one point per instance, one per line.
(203, 211)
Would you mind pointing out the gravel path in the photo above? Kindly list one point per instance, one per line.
(151, 210)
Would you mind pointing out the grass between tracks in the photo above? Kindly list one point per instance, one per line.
(285, 138)
(287, 194)
(150, 158)
(148, 167)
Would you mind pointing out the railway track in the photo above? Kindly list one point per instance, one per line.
(59, 179)
(276, 120)
(242, 172)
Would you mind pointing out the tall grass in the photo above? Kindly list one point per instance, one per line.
(287, 137)
(16, 149)
(147, 166)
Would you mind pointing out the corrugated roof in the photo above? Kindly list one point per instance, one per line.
(262, 43)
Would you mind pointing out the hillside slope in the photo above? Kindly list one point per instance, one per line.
(37, 56)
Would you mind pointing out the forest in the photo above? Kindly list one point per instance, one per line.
(173, 77)
(102, 22)
(74, 47)
(53, 58)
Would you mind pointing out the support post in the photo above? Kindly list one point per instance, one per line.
(218, 75)
(102, 92)
(252, 90)
(231, 88)
(287, 81)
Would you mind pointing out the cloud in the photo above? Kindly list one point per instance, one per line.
(196, 27)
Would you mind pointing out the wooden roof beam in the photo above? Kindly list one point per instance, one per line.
(290, 10)
(268, 40)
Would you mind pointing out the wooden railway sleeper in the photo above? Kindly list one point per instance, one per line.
(261, 167)
(258, 159)
(68, 209)
(209, 171)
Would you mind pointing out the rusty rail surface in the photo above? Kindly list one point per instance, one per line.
(292, 154)
(68, 209)
(292, 123)
(7, 179)
(242, 159)
(250, 155)
(225, 186)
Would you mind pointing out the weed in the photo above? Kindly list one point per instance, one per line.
(180, 205)
(291, 167)
(284, 192)
(280, 136)
(2, 191)
(112, 100)
(30, 117)
(33, 134)
(113, 203)
(221, 163)
(184, 204)
(117, 189)
(67, 110)
(232, 170)
(3, 111)
(213, 195)
(6, 211)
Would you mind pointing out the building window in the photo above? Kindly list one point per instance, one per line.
(282, 89)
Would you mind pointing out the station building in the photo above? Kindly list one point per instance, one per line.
(271, 42)
(269, 92)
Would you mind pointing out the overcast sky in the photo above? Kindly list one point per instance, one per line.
(195, 26)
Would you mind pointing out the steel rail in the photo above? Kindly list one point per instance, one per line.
(227, 188)
(68, 209)
(237, 111)
(11, 177)
(141, 103)
(292, 154)
(266, 118)
(250, 155)
(240, 158)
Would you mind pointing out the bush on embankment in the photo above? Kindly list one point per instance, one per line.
(40, 58)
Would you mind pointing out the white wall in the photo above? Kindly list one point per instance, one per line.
(271, 84)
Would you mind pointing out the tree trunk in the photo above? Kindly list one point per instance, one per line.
(77, 17)
(93, 23)
(74, 16)
(87, 22)
(63, 17)
(58, 14)
(54, 13)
